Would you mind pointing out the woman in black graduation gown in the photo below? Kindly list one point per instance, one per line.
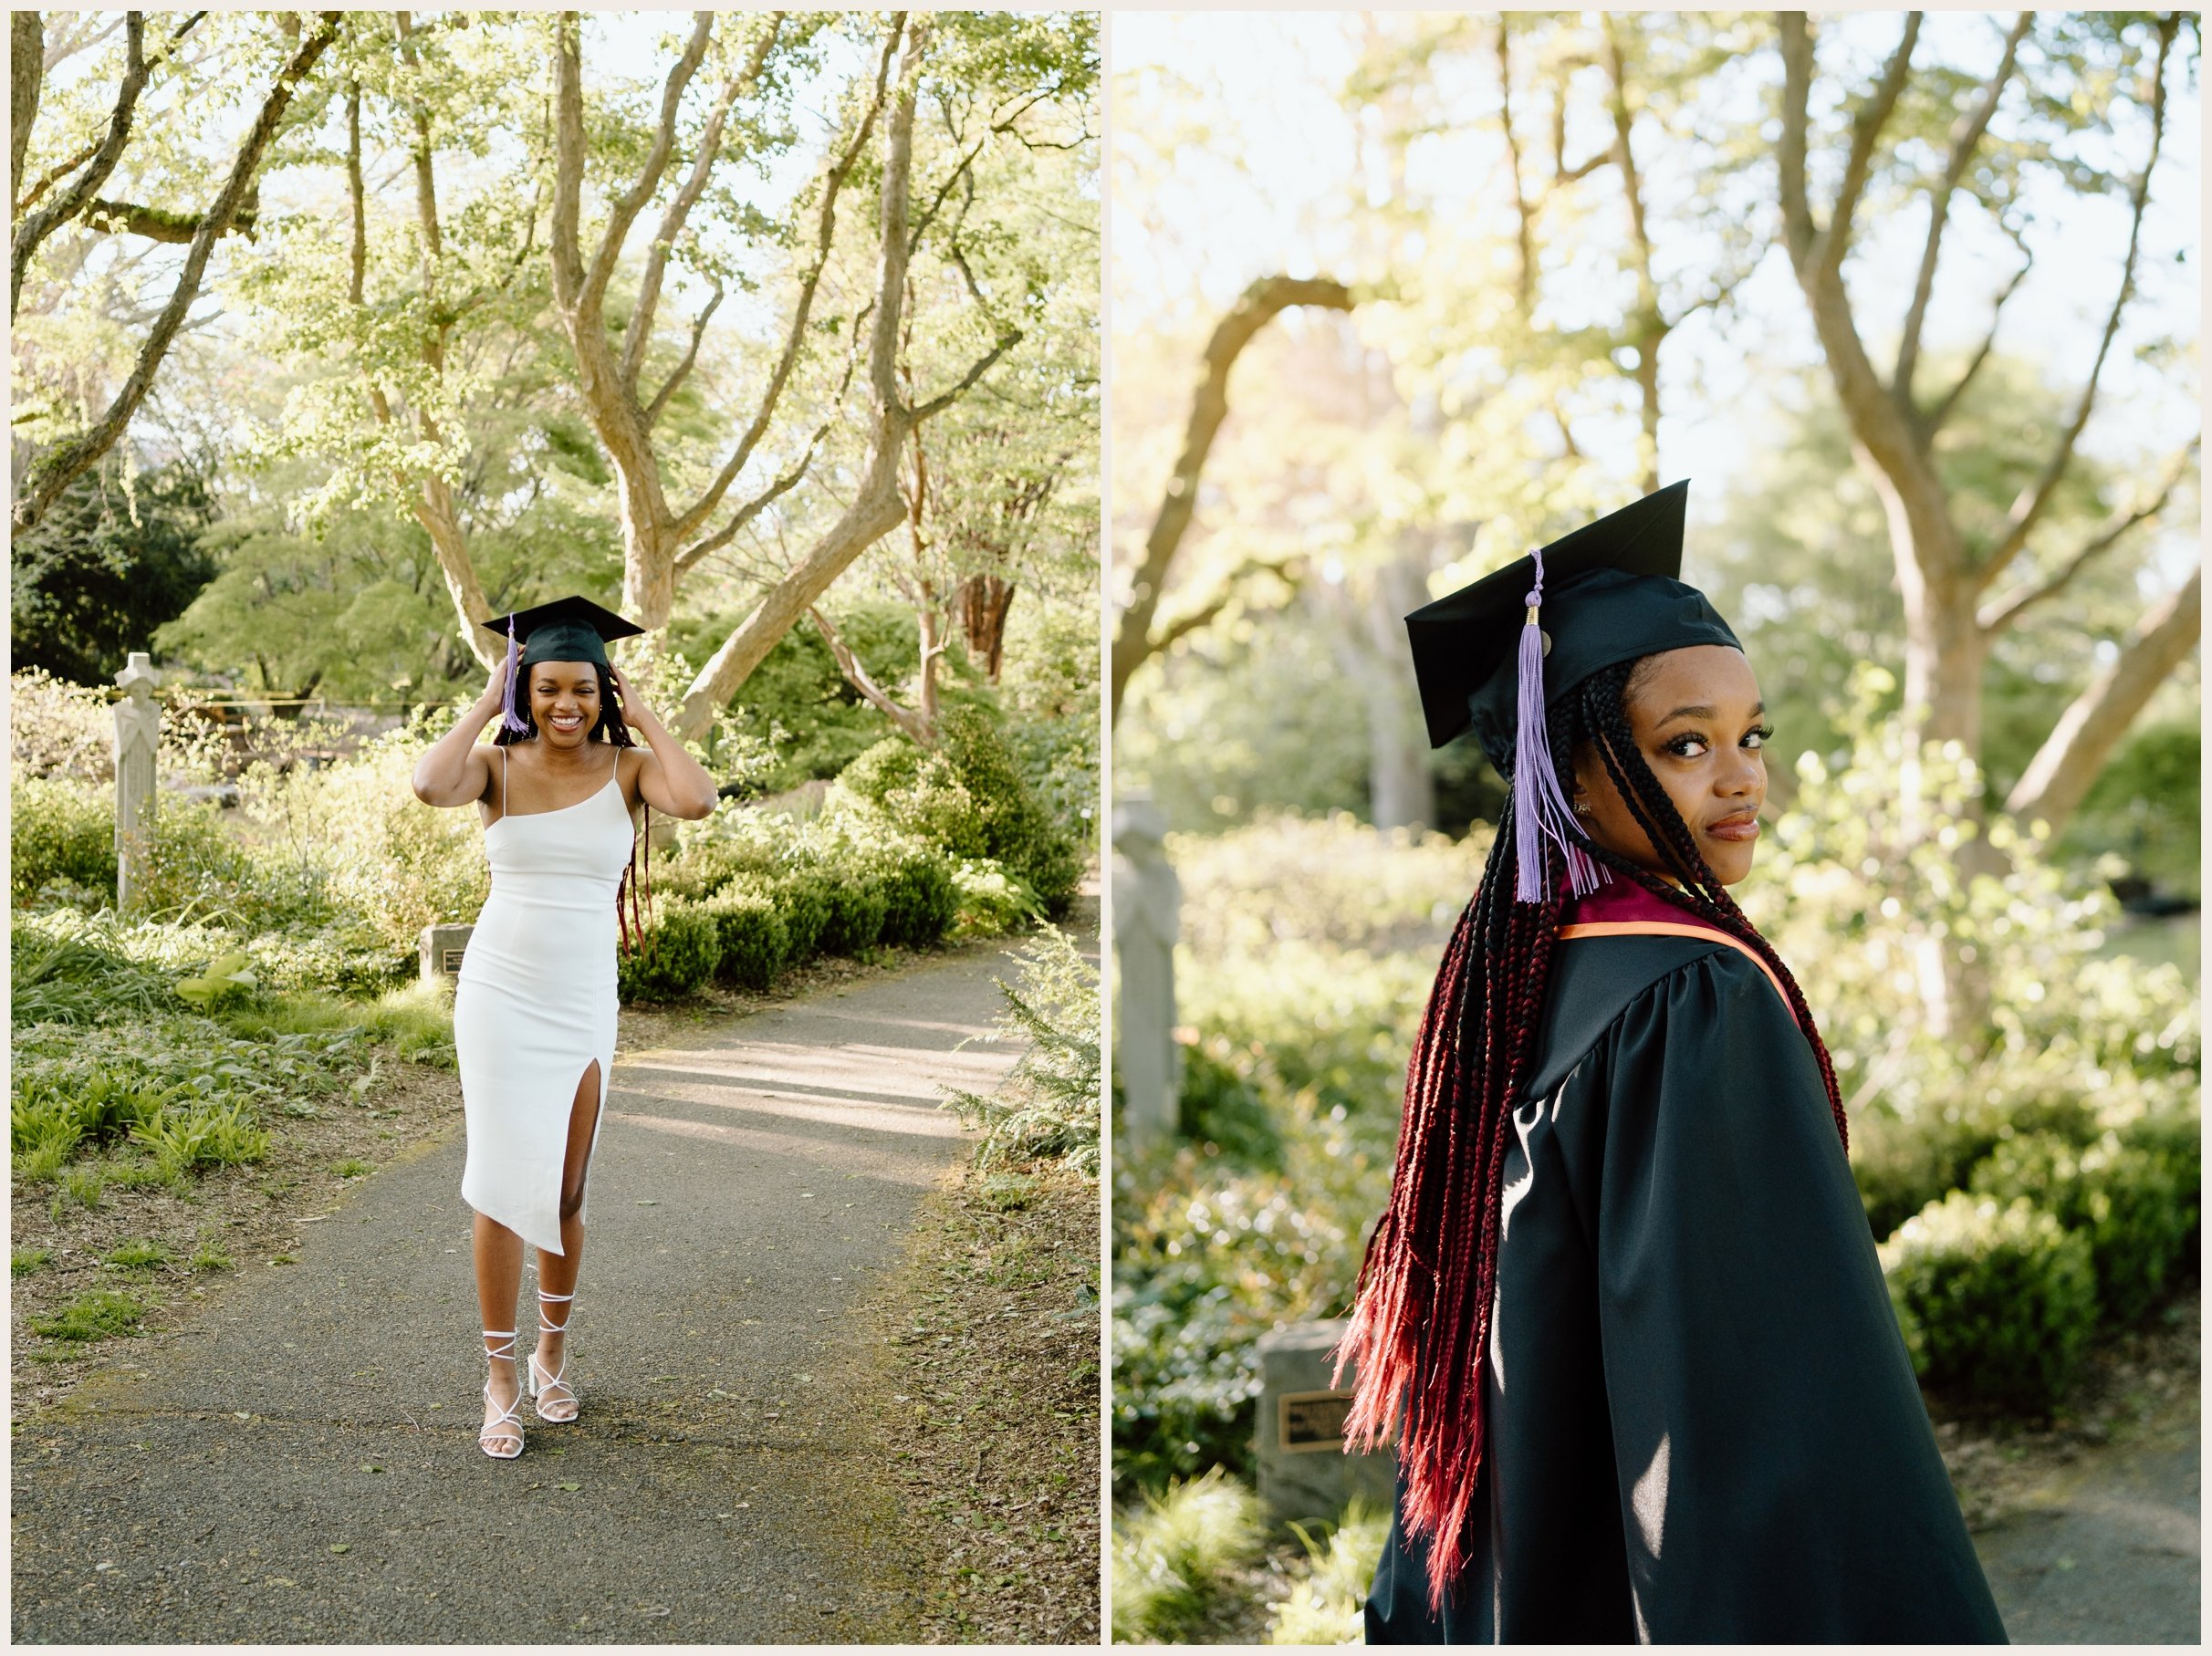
(1625, 1300)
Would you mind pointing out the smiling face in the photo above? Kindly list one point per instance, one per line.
(565, 702)
(1696, 717)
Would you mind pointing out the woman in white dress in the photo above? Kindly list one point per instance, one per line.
(534, 1003)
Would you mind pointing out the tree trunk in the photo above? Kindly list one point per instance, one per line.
(2071, 758)
(981, 603)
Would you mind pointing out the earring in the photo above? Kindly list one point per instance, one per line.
(1582, 808)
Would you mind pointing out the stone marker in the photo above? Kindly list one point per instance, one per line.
(1304, 1472)
(441, 948)
(138, 739)
(1147, 914)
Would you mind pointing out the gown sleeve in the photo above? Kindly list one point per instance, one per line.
(1779, 1477)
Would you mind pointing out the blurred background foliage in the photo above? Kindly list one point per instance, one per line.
(1565, 270)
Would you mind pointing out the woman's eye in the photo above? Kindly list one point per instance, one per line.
(1687, 746)
(1759, 737)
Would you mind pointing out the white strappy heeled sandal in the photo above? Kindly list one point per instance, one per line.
(506, 1423)
(541, 1383)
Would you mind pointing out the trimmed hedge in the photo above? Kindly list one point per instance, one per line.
(1997, 1303)
(920, 900)
(678, 953)
(856, 905)
(753, 943)
(2130, 1200)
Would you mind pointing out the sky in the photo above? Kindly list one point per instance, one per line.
(1265, 185)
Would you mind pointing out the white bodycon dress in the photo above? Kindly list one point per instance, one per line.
(534, 1002)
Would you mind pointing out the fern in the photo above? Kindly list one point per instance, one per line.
(1047, 1107)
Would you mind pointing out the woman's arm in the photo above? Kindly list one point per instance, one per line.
(455, 771)
(669, 778)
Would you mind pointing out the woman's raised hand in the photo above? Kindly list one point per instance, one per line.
(632, 704)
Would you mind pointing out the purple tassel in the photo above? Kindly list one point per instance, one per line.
(1539, 813)
(508, 717)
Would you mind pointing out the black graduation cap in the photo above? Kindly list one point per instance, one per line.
(571, 628)
(1611, 593)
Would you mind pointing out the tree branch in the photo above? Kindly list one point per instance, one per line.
(36, 226)
(157, 224)
(856, 675)
(1260, 302)
(1966, 138)
(683, 369)
(755, 506)
(1865, 133)
(2067, 764)
(1941, 414)
(69, 460)
(679, 210)
(2000, 615)
(2032, 502)
(825, 234)
(632, 200)
(945, 399)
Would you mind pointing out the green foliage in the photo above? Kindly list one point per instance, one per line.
(920, 900)
(919, 791)
(1326, 1602)
(105, 568)
(205, 1135)
(66, 973)
(1997, 1303)
(209, 1257)
(855, 905)
(752, 942)
(1174, 1556)
(678, 953)
(60, 831)
(26, 1262)
(1047, 1106)
(97, 1315)
(802, 899)
(2136, 1202)
(991, 900)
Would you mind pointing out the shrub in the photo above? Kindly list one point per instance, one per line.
(1995, 1303)
(991, 900)
(1047, 1107)
(678, 953)
(920, 900)
(1173, 1557)
(854, 903)
(93, 1316)
(921, 792)
(802, 897)
(59, 830)
(751, 939)
(1017, 830)
(2127, 1198)
(206, 1135)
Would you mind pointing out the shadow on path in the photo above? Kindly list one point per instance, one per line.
(299, 1462)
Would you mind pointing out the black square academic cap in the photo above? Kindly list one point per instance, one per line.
(571, 628)
(1609, 594)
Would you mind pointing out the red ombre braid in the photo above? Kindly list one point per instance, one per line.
(1419, 1336)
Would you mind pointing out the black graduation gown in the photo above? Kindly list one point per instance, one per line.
(1703, 1426)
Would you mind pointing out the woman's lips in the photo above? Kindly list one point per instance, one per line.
(1744, 827)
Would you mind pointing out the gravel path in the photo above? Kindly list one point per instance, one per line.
(299, 1462)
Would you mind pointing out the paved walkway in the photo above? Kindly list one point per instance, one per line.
(2108, 1552)
(299, 1462)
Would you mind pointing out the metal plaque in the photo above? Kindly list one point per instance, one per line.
(1311, 1422)
(450, 961)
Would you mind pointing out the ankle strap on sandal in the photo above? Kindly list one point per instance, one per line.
(545, 1299)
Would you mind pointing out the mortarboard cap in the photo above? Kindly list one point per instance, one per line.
(1609, 594)
(571, 628)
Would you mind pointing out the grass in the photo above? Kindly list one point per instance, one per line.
(23, 1262)
(417, 1019)
(1174, 1556)
(1324, 1607)
(210, 1256)
(140, 1257)
(83, 1186)
(352, 1167)
(97, 1315)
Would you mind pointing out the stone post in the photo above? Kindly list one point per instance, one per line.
(1147, 916)
(138, 739)
(1304, 1473)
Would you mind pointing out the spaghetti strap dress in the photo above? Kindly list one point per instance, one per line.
(534, 1002)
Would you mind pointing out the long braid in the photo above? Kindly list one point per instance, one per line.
(1418, 1340)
